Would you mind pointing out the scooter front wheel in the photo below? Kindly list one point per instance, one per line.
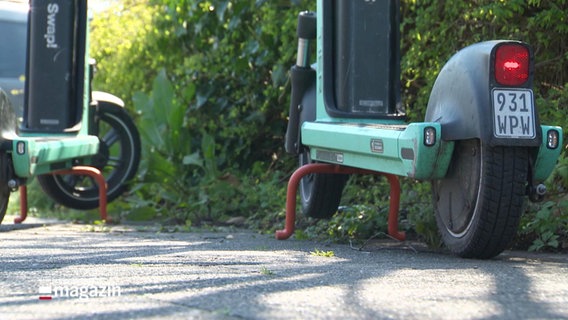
(4, 188)
(320, 193)
(479, 203)
(118, 160)
(4, 199)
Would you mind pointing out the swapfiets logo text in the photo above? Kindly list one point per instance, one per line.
(50, 33)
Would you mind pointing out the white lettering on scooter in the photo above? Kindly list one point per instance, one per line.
(51, 41)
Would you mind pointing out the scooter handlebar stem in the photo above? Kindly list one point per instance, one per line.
(306, 33)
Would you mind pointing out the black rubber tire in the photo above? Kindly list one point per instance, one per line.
(4, 189)
(118, 160)
(480, 201)
(8, 123)
(320, 193)
(4, 199)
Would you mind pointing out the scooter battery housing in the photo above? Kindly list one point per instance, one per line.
(55, 65)
(366, 56)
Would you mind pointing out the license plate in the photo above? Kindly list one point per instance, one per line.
(514, 114)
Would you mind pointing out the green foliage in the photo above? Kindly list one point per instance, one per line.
(212, 120)
(184, 177)
(416, 202)
(121, 43)
(545, 225)
(548, 226)
(236, 55)
(162, 129)
(364, 213)
(266, 272)
(351, 222)
(321, 253)
(434, 30)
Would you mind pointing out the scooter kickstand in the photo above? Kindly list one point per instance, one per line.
(290, 223)
(78, 170)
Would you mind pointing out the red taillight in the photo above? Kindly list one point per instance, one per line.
(512, 64)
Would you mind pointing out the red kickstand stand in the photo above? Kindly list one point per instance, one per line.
(79, 170)
(336, 169)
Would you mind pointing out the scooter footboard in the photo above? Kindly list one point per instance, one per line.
(40, 155)
(414, 150)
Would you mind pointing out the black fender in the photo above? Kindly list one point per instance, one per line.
(460, 99)
(302, 106)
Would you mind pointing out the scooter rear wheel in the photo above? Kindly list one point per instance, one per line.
(320, 193)
(479, 203)
(118, 160)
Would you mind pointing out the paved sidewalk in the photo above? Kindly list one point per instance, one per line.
(141, 273)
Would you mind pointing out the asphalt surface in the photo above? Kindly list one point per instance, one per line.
(134, 272)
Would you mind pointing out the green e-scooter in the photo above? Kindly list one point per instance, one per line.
(81, 145)
(481, 143)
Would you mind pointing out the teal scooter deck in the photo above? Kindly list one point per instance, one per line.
(80, 145)
(40, 155)
(400, 149)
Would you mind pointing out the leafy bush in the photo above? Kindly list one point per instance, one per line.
(228, 69)
(184, 178)
(123, 46)
(237, 54)
(434, 30)
(548, 227)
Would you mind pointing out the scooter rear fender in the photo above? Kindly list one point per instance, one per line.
(461, 102)
(461, 98)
